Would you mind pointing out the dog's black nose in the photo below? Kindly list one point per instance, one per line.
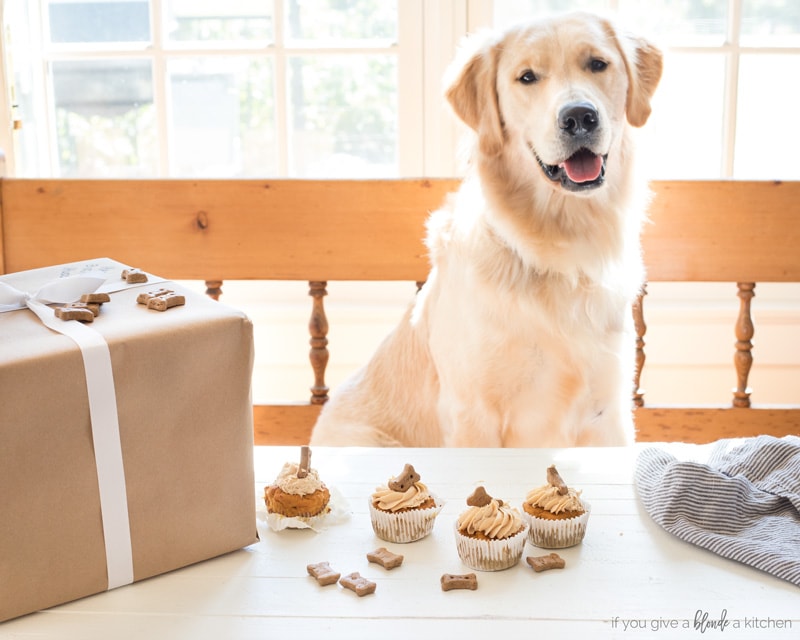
(578, 118)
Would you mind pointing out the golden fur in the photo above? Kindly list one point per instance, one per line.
(522, 335)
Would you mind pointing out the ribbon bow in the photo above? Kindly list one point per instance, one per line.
(62, 290)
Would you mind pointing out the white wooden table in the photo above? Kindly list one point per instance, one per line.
(628, 579)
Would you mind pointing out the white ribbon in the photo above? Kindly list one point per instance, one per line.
(102, 411)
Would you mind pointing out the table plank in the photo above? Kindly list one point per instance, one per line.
(627, 572)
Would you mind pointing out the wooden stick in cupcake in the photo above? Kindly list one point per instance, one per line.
(305, 462)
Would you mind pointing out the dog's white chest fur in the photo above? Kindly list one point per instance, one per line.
(524, 358)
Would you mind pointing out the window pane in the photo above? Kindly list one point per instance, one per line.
(507, 12)
(343, 113)
(683, 137)
(105, 118)
(766, 103)
(213, 21)
(99, 21)
(768, 23)
(338, 23)
(691, 22)
(222, 117)
(687, 23)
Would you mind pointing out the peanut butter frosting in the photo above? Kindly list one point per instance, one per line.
(288, 481)
(389, 500)
(494, 520)
(548, 498)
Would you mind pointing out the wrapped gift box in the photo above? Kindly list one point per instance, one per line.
(181, 381)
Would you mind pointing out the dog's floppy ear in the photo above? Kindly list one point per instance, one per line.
(471, 90)
(643, 63)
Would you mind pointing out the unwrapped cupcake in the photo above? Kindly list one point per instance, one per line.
(490, 535)
(403, 510)
(297, 498)
(556, 513)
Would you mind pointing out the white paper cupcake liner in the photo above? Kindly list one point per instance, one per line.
(557, 534)
(334, 513)
(491, 555)
(405, 526)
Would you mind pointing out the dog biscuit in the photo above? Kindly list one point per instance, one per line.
(134, 276)
(357, 583)
(463, 581)
(94, 307)
(95, 298)
(407, 478)
(323, 573)
(554, 479)
(385, 558)
(545, 563)
(74, 313)
(479, 498)
(144, 297)
(167, 301)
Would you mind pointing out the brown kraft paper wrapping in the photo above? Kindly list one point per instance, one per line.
(182, 380)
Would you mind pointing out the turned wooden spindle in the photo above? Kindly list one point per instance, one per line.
(641, 328)
(743, 358)
(318, 328)
(214, 289)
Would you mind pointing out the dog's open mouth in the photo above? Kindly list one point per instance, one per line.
(581, 171)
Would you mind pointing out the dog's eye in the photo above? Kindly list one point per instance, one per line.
(529, 77)
(596, 65)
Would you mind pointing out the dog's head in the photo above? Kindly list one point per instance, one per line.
(556, 94)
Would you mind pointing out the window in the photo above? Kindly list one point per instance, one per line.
(338, 88)
(727, 74)
(200, 88)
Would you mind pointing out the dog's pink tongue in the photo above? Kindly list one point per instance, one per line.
(584, 166)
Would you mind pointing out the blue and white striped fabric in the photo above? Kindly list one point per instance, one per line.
(743, 504)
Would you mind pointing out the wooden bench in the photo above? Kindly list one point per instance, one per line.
(326, 230)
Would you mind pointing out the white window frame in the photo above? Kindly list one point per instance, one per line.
(412, 64)
(428, 34)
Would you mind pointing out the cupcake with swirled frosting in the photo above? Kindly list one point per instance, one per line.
(556, 513)
(490, 534)
(403, 510)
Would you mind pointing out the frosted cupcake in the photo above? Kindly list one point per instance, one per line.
(490, 535)
(556, 513)
(403, 510)
(297, 493)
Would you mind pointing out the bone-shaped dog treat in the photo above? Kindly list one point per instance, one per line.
(479, 498)
(145, 297)
(74, 313)
(407, 478)
(94, 307)
(385, 558)
(134, 276)
(95, 298)
(463, 581)
(545, 563)
(356, 582)
(554, 479)
(305, 462)
(323, 573)
(167, 301)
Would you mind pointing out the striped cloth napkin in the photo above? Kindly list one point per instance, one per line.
(743, 504)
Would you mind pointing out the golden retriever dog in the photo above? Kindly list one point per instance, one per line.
(522, 335)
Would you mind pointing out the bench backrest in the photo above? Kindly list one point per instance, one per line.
(321, 230)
